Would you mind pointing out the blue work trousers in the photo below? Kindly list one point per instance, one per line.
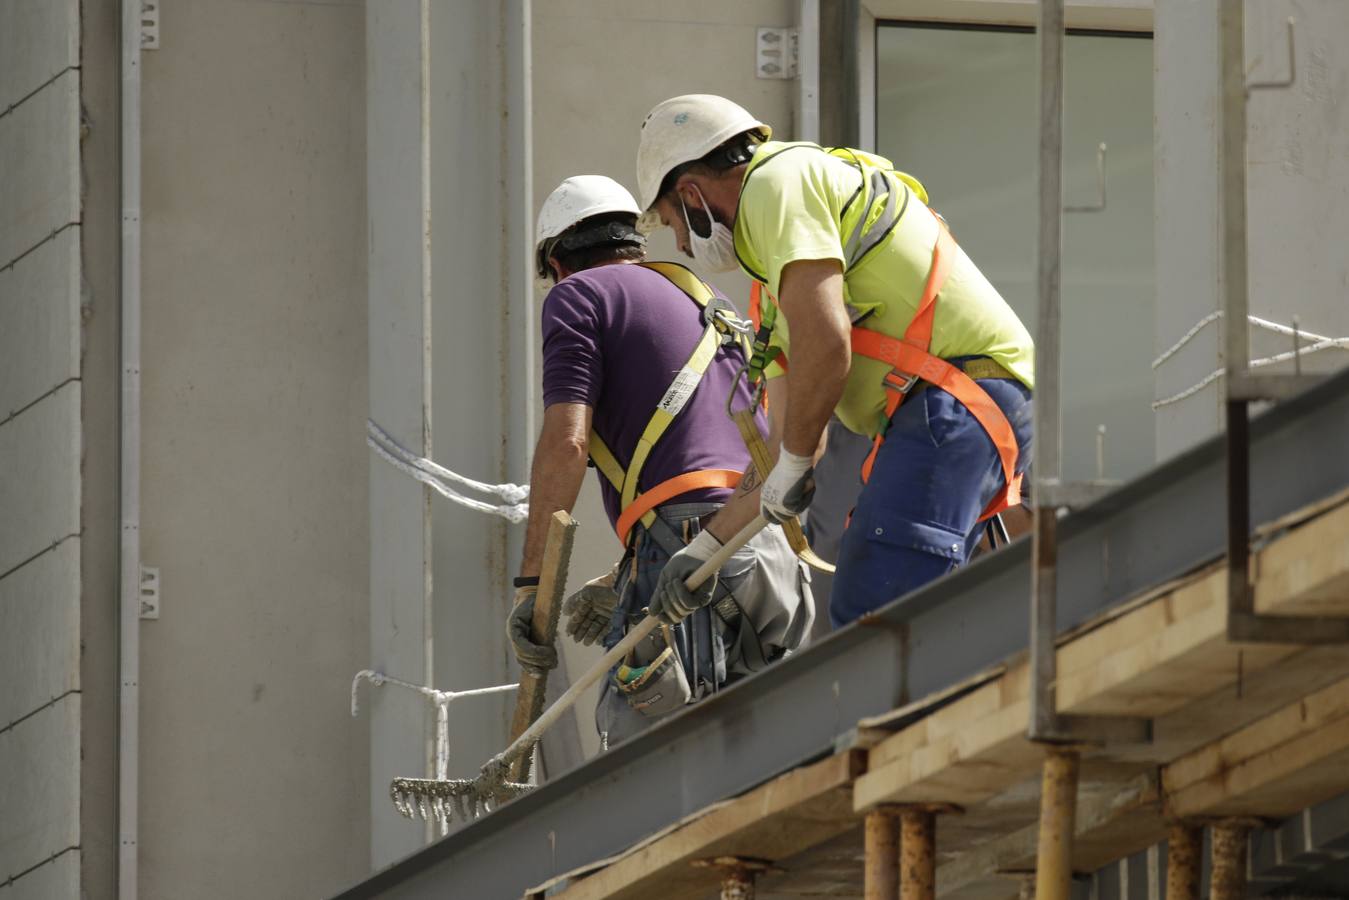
(918, 516)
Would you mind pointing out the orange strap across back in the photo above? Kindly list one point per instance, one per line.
(910, 360)
(669, 489)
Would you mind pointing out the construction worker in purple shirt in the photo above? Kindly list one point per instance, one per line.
(638, 361)
(880, 319)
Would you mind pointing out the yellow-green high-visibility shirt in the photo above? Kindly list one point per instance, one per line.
(799, 202)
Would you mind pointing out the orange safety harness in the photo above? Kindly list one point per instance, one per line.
(910, 362)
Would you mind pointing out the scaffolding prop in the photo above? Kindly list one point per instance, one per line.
(1063, 736)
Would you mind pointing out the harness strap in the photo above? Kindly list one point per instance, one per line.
(637, 506)
(910, 362)
(646, 503)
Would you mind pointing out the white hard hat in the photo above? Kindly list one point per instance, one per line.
(579, 198)
(683, 129)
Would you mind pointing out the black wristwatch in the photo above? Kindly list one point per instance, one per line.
(531, 581)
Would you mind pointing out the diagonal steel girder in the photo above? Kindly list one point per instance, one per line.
(1153, 529)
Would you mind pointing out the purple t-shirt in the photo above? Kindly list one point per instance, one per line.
(613, 338)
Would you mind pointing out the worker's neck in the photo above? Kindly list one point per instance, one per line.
(564, 273)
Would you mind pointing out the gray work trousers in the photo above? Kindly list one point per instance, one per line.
(769, 589)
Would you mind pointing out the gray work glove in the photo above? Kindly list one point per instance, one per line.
(788, 489)
(534, 658)
(672, 602)
(590, 610)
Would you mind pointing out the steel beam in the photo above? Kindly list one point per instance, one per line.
(1153, 529)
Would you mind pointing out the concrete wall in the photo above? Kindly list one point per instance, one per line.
(1298, 181)
(599, 67)
(100, 388)
(254, 503)
(40, 392)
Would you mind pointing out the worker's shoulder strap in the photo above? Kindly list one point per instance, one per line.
(716, 312)
(863, 227)
(681, 277)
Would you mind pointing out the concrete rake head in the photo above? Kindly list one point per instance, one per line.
(443, 799)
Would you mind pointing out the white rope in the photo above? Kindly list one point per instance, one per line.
(1254, 320)
(1187, 337)
(437, 697)
(511, 493)
(441, 700)
(1322, 342)
(514, 512)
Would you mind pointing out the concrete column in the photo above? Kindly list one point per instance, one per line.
(398, 101)
(1296, 183)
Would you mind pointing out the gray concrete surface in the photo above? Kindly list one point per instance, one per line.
(40, 447)
(40, 343)
(39, 39)
(40, 192)
(40, 490)
(254, 493)
(40, 759)
(1298, 181)
(40, 632)
(400, 355)
(100, 389)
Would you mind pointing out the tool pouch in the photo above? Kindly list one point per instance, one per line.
(657, 689)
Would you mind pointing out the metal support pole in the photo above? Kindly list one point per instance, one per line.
(1236, 340)
(1048, 434)
(1184, 859)
(882, 855)
(737, 874)
(1058, 815)
(918, 854)
(1230, 842)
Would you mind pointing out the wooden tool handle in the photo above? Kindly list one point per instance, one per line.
(530, 698)
(520, 746)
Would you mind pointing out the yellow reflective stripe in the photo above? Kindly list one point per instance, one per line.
(679, 392)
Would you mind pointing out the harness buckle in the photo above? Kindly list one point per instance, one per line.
(756, 391)
(897, 381)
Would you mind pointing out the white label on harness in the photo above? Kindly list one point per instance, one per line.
(680, 391)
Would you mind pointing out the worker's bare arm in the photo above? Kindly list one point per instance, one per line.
(555, 480)
(812, 302)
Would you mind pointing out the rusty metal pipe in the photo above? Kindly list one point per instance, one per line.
(917, 854)
(882, 855)
(1184, 858)
(1058, 812)
(1230, 841)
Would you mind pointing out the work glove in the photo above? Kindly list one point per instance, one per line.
(533, 658)
(789, 487)
(672, 602)
(590, 610)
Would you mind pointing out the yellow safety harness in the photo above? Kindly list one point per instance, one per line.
(722, 329)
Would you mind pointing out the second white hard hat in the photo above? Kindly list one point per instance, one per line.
(579, 198)
(683, 129)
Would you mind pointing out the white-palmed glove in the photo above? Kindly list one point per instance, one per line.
(672, 602)
(590, 610)
(789, 487)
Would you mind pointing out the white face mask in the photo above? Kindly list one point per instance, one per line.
(716, 252)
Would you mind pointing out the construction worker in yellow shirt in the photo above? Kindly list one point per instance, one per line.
(896, 331)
